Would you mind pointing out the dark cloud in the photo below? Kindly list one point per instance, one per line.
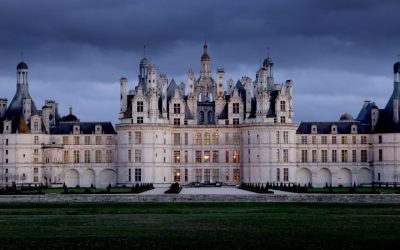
(77, 50)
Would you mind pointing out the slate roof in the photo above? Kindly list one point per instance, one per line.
(85, 128)
(343, 127)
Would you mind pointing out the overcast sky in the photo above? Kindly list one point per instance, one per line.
(338, 53)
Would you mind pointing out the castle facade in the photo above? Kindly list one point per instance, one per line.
(207, 130)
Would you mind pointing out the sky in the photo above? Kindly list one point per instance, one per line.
(338, 53)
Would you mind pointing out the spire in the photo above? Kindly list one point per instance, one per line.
(205, 55)
(70, 110)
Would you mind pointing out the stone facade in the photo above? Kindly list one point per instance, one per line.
(207, 130)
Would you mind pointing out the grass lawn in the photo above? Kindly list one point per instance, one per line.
(360, 190)
(198, 226)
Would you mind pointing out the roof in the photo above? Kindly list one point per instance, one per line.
(343, 127)
(22, 65)
(65, 128)
(171, 89)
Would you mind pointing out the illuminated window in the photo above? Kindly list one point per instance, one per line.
(345, 156)
(66, 156)
(206, 156)
(215, 139)
(207, 138)
(198, 138)
(177, 156)
(236, 156)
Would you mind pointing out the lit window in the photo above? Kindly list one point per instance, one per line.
(236, 156)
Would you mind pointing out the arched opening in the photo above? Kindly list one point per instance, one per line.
(201, 117)
(324, 177)
(71, 178)
(210, 117)
(364, 176)
(88, 178)
(344, 177)
(107, 176)
(304, 176)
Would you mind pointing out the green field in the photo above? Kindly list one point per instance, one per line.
(198, 226)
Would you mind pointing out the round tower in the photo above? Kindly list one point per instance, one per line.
(22, 73)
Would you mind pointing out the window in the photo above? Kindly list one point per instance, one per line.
(186, 138)
(363, 139)
(35, 179)
(354, 139)
(380, 155)
(285, 155)
(236, 138)
(364, 157)
(226, 175)
(36, 139)
(129, 155)
(227, 156)
(278, 137)
(235, 121)
(236, 156)
(304, 156)
(108, 156)
(177, 121)
(324, 140)
(186, 175)
(278, 174)
(177, 156)
(129, 175)
(278, 155)
(87, 156)
(138, 137)
(198, 156)
(354, 155)
(215, 156)
(236, 175)
(283, 106)
(283, 119)
(98, 140)
(177, 139)
(314, 139)
(98, 156)
(138, 174)
(333, 139)
(177, 108)
(66, 156)
(76, 140)
(285, 174)
(35, 170)
(65, 140)
(186, 157)
(345, 156)
(138, 155)
(87, 140)
(215, 140)
(35, 125)
(380, 139)
(324, 156)
(198, 174)
(201, 118)
(76, 156)
(334, 156)
(207, 138)
(35, 160)
(304, 139)
(109, 140)
(314, 155)
(285, 137)
(140, 120)
(226, 138)
(35, 151)
(206, 156)
(235, 108)
(139, 107)
(344, 139)
(198, 138)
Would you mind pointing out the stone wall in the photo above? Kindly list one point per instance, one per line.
(304, 198)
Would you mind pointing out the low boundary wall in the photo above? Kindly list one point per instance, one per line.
(302, 198)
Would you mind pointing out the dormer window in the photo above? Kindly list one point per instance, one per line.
(334, 129)
(98, 129)
(353, 129)
(76, 129)
(314, 129)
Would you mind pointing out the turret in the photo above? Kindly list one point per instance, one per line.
(3, 106)
(246, 81)
(164, 86)
(220, 83)
(205, 71)
(152, 78)
(191, 82)
(123, 95)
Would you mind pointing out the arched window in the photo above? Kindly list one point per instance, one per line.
(210, 117)
(210, 97)
(201, 117)
(199, 97)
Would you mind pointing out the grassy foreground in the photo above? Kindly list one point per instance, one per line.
(198, 226)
